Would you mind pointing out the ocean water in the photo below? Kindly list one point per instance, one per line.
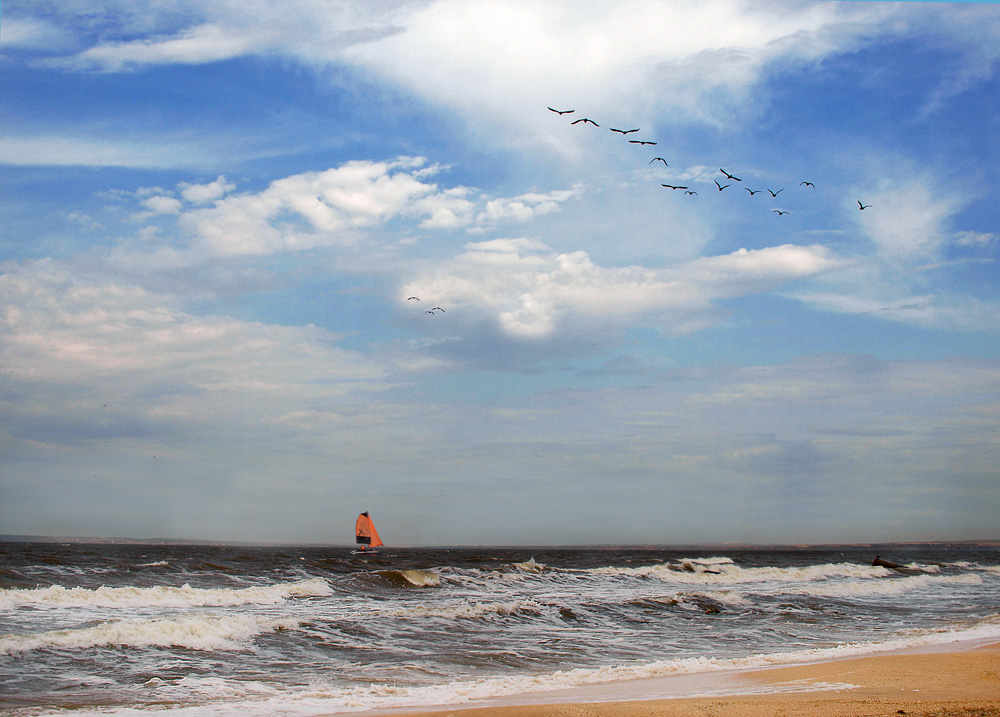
(226, 630)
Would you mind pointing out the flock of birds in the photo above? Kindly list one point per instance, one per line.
(729, 178)
(429, 311)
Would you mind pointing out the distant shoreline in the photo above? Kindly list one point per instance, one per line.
(82, 540)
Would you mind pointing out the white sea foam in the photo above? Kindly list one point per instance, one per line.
(163, 596)
(255, 699)
(897, 586)
(194, 632)
(726, 573)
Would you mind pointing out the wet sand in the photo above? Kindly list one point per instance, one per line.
(965, 684)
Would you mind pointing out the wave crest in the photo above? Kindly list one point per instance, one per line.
(163, 596)
(200, 632)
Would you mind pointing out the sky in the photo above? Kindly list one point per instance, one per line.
(266, 265)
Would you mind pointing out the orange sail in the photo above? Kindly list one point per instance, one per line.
(365, 533)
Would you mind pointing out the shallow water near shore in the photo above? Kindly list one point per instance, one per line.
(136, 629)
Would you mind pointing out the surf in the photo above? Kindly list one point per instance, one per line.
(162, 595)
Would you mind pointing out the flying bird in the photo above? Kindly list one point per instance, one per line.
(585, 120)
(562, 112)
(659, 159)
(624, 131)
(428, 312)
(690, 192)
(640, 141)
(778, 212)
(808, 184)
(721, 186)
(729, 176)
(862, 206)
(753, 191)
(673, 186)
(411, 298)
(774, 194)
(437, 308)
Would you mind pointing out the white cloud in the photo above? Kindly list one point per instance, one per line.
(60, 150)
(908, 220)
(977, 239)
(161, 204)
(527, 289)
(205, 193)
(523, 208)
(499, 62)
(326, 208)
(70, 346)
(196, 45)
(33, 34)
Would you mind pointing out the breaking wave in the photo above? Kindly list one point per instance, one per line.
(411, 578)
(198, 632)
(724, 571)
(163, 596)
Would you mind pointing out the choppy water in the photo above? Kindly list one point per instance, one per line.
(136, 629)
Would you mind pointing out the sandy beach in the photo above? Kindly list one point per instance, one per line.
(942, 683)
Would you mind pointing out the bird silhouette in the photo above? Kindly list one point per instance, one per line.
(428, 312)
(862, 206)
(562, 112)
(753, 191)
(585, 120)
(672, 186)
(721, 186)
(808, 184)
(640, 141)
(774, 194)
(729, 176)
(659, 159)
(411, 298)
(437, 308)
(624, 131)
(778, 212)
(690, 192)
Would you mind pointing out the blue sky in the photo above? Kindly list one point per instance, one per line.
(212, 216)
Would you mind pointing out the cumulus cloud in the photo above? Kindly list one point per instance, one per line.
(205, 193)
(527, 289)
(326, 208)
(524, 207)
(162, 204)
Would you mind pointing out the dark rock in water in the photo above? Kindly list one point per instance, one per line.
(886, 564)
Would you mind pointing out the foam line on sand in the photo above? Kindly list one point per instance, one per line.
(933, 684)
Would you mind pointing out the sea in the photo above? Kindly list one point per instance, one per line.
(170, 629)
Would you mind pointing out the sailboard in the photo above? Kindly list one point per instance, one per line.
(366, 536)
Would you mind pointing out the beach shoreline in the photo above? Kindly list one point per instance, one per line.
(935, 683)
